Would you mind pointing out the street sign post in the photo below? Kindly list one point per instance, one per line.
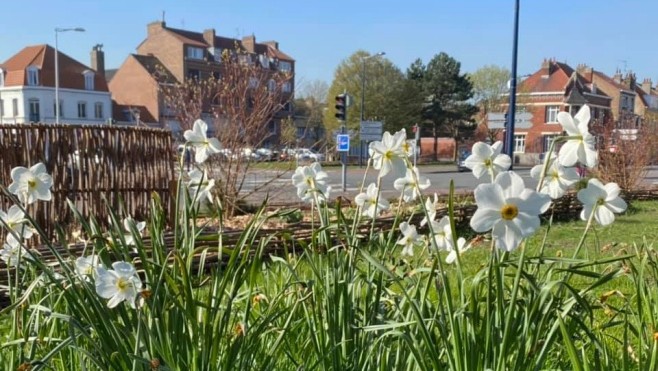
(343, 141)
(522, 120)
(371, 130)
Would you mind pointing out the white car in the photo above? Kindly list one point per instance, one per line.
(307, 154)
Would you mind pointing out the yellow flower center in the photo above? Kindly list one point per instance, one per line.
(487, 162)
(509, 211)
(32, 183)
(123, 284)
(600, 201)
(388, 155)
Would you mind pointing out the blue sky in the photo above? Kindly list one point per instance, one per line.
(606, 34)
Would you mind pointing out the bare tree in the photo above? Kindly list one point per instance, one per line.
(624, 150)
(244, 100)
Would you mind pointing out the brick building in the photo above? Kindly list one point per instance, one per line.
(554, 88)
(181, 54)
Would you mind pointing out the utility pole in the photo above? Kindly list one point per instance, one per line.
(509, 134)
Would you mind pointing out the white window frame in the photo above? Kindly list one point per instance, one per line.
(551, 114)
(31, 103)
(33, 76)
(89, 79)
(519, 143)
(287, 87)
(61, 111)
(548, 139)
(14, 107)
(82, 110)
(98, 110)
(285, 66)
(194, 52)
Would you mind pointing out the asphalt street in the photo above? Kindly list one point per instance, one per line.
(281, 190)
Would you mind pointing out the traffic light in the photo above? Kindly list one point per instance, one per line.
(341, 107)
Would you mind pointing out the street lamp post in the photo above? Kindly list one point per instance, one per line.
(363, 97)
(57, 31)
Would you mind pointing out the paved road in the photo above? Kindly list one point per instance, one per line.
(281, 189)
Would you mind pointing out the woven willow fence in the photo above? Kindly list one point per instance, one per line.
(123, 164)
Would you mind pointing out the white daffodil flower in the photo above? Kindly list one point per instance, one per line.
(486, 159)
(409, 147)
(442, 234)
(198, 138)
(370, 203)
(118, 284)
(311, 181)
(508, 209)
(12, 252)
(128, 225)
(602, 200)
(14, 220)
(430, 207)
(582, 146)
(32, 184)
(557, 179)
(410, 239)
(200, 186)
(411, 184)
(388, 153)
(85, 266)
(462, 247)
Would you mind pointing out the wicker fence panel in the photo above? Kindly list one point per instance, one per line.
(89, 163)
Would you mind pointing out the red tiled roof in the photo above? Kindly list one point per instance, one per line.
(43, 57)
(538, 82)
(609, 80)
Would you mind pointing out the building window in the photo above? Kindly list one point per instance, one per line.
(82, 110)
(216, 53)
(2, 108)
(193, 74)
(287, 107)
(61, 112)
(551, 113)
(519, 143)
(14, 105)
(287, 87)
(89, 80)
(34, 110)
(547, 141)
(2, 77)
(271, 85)
(244, 59)
(98, 110)
(194, 52)
(285, 66)
(32, 76)
(264, 61)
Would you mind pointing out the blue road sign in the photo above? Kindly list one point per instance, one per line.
(343, 141)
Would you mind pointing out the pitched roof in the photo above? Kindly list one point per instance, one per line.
(155, 68)
(555, 81)
(196, 39)
(43, 57)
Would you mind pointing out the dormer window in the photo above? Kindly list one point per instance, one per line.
(216, 53)
(194, 52)
(89, 79)
(33, 76)
(285, 66)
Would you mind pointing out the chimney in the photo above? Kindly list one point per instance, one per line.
(272, 44)
(98, 59)
(209, 37)
(585, 71)
(154, 27)
(249, 43)
(617, 77)
(646, 86)
(546, 67)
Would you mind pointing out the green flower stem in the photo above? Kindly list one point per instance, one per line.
(590, 221)
(511, 310)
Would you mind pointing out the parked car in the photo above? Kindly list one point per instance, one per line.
(287, 154)
(461, 162)
(265, 154)
(306, 154)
